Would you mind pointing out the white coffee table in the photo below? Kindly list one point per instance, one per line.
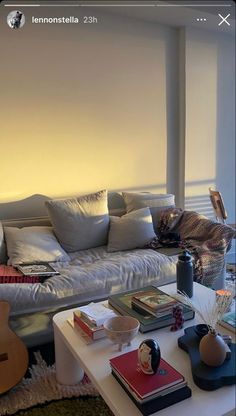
(73, 357)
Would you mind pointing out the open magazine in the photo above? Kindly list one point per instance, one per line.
(37, 269)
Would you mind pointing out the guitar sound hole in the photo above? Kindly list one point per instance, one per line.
(4, 357)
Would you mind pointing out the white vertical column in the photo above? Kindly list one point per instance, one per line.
(68, 370)
(176, 116)
(182, 117)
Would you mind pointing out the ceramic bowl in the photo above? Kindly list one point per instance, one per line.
(121, 329)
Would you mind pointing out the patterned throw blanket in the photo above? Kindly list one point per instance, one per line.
(207, 241)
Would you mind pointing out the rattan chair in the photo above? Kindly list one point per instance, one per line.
(219, 208)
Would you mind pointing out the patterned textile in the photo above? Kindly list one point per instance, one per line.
(207, 241)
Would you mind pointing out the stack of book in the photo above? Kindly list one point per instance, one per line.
(156, 303)
(125, 305)
(150, 393)
(90, 319)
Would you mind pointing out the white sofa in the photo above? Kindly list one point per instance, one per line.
(86, 275)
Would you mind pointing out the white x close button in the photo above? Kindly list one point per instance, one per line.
(224, 19)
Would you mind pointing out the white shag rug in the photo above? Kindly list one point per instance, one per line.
(42, 387)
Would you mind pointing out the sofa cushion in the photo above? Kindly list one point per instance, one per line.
(91, 275)
(80, 223)
(33, 244)
(130, 231)
(156, 202)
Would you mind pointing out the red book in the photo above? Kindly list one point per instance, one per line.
(94, 333)
(9, 274)
(144, 385)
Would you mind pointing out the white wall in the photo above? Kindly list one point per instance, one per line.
(201, 105)
(210, 120)
(91, 107)
(84, 107)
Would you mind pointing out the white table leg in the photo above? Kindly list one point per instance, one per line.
(68, 371)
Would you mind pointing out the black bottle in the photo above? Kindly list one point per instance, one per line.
(184, 274)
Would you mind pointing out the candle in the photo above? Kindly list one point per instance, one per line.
(224, 298)
(223, 292)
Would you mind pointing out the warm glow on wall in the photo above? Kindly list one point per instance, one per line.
(83, 111)
(201, 113)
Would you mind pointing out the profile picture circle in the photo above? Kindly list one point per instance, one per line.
(16, 19)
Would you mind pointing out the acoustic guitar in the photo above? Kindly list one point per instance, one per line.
(13, 353)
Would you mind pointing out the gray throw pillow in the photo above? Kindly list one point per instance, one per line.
(132, 230)
(156, 202)
(33, 244)
(80, 223)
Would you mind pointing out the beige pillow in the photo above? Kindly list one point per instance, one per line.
(132, 230)
(80, 223)
(33, 244)
(156, 202)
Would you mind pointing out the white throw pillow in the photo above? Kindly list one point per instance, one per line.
(33, 244)
(132, 230)
(80, 223)
(156, 202)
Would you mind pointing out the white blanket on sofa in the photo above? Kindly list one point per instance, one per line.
(89, 275)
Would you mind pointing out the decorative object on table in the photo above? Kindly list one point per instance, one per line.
(121, 329)
(179, 318)
(148, 322)
(201, 330)
(150, 393)
(205, 377)
(212, 347)
(13, 353)
(227, 297)
(149, 356)
(184, 274)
